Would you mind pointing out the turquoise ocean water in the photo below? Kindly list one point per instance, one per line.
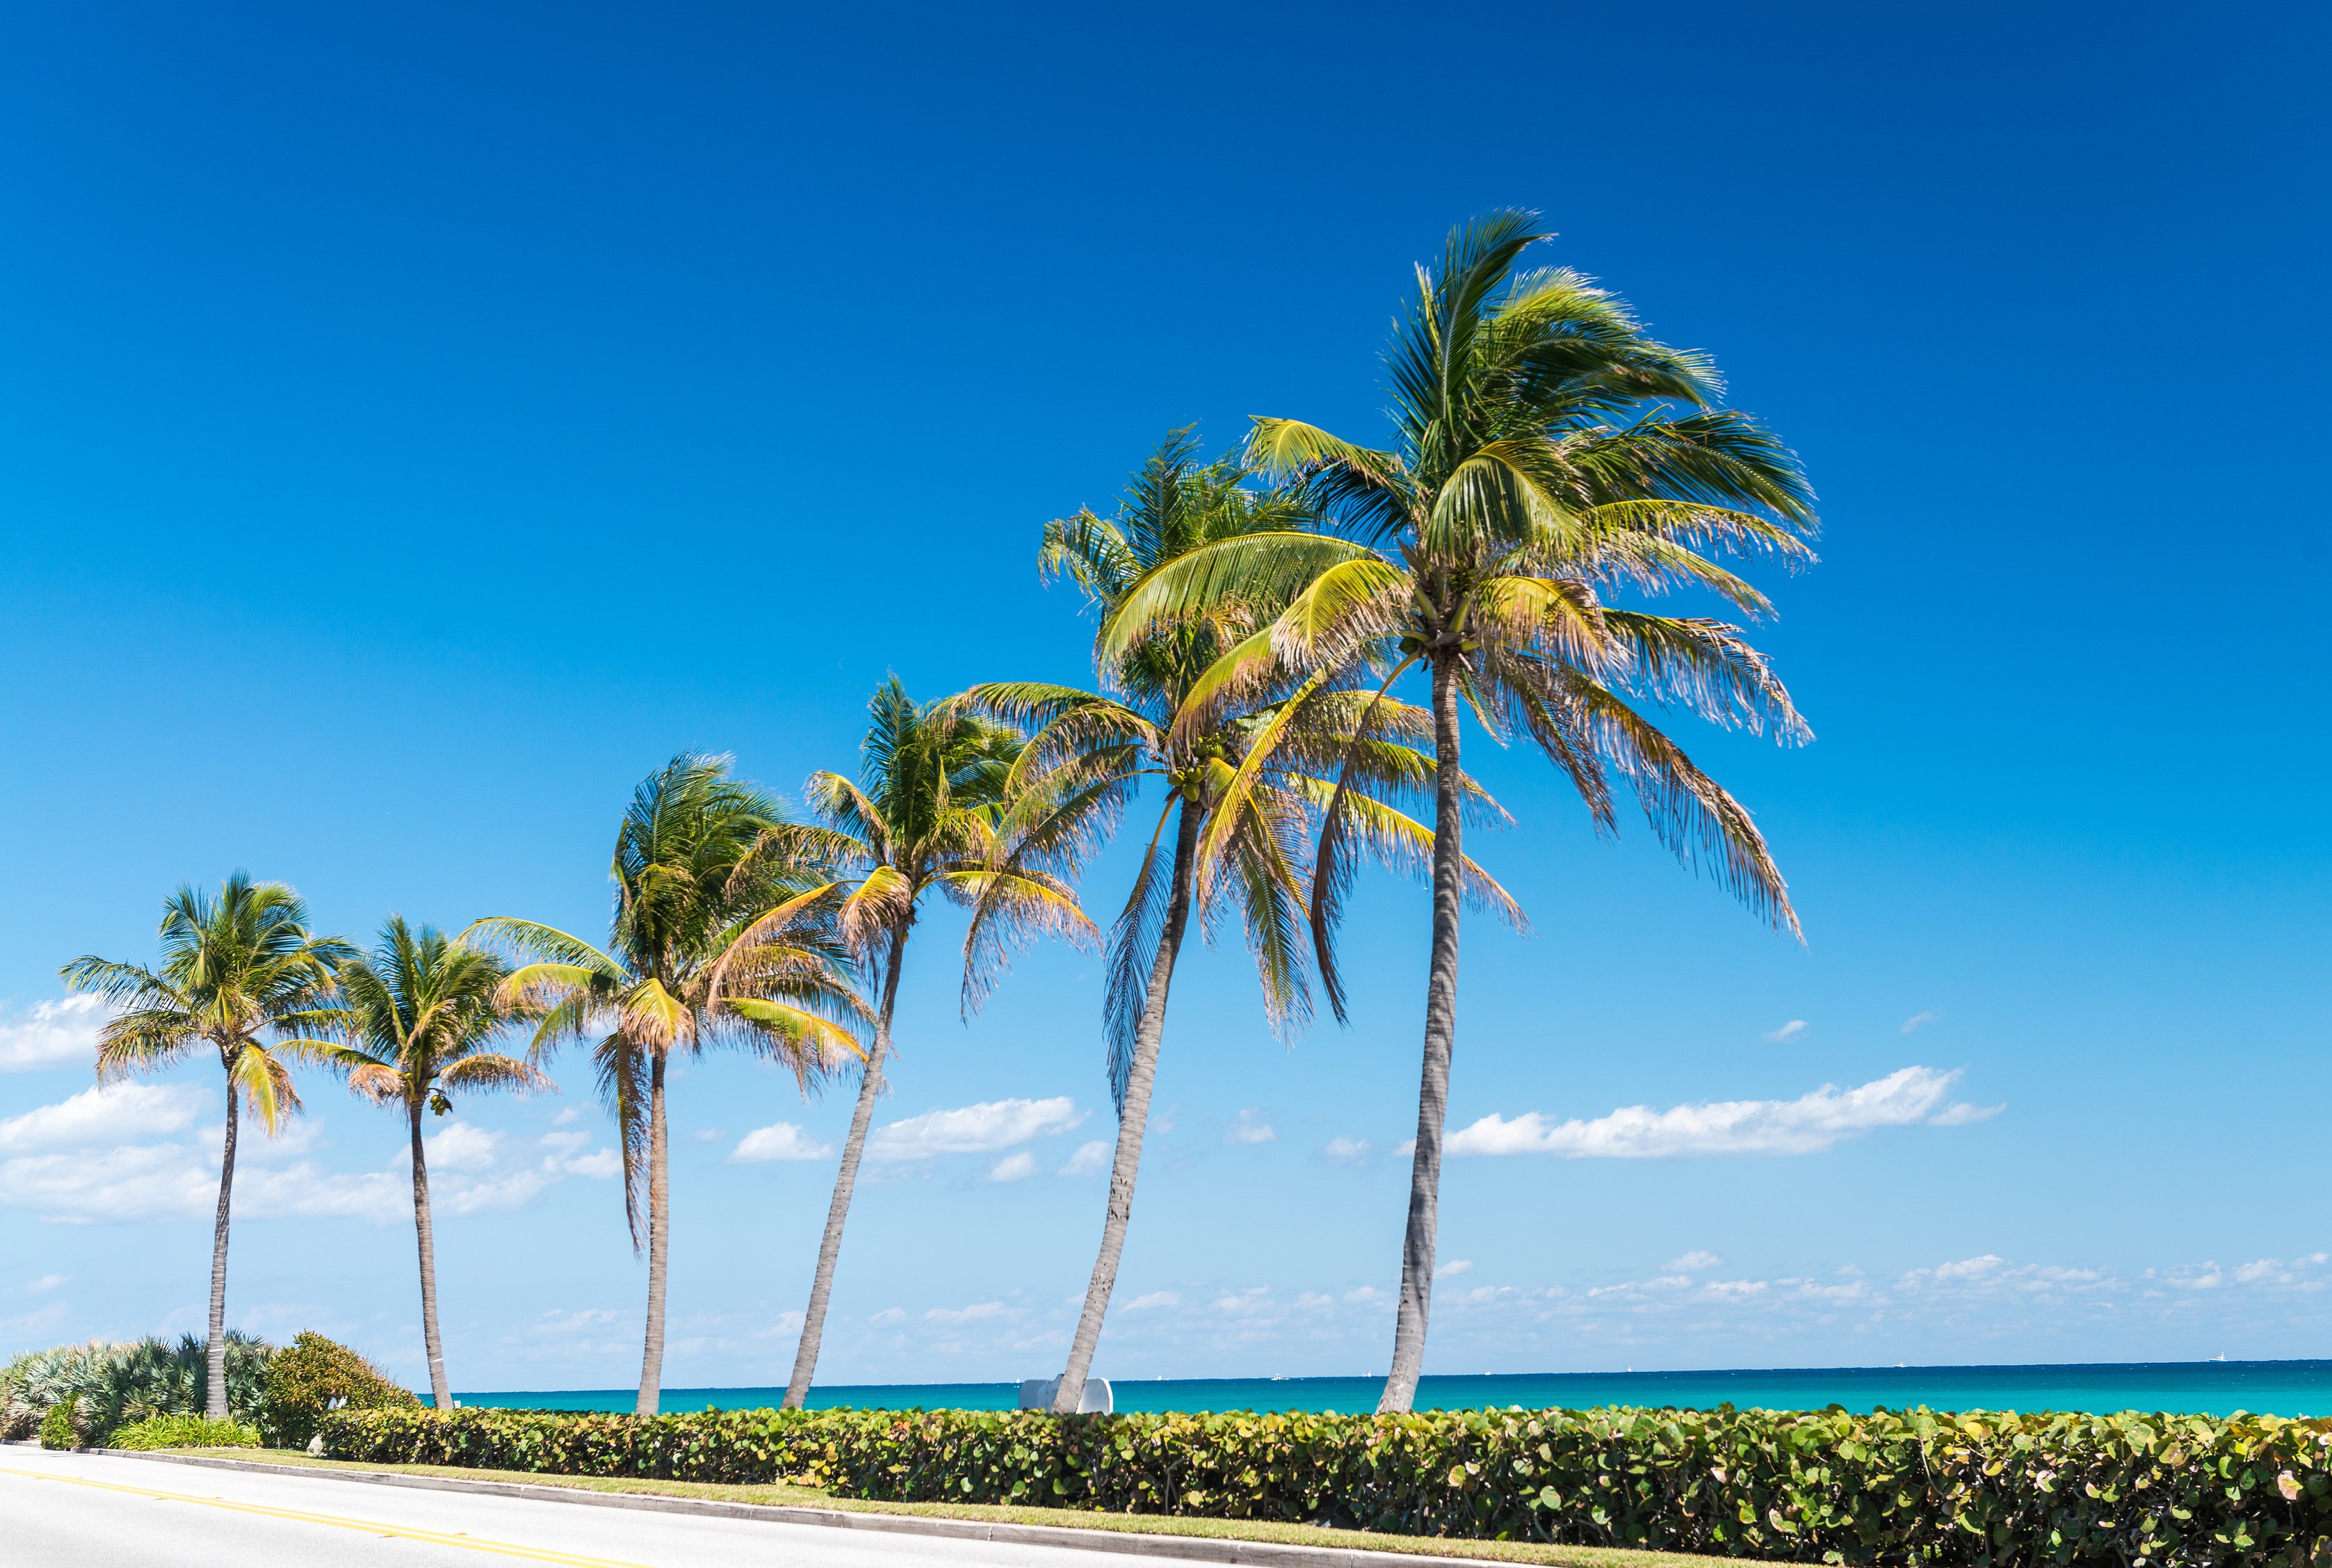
(2282, 1387)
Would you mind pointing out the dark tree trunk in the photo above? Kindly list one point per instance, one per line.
(845, 1180)
(659, 1240)
(1440, 1037)
(440, 1392)
(1133, 1118)
(215, 1382)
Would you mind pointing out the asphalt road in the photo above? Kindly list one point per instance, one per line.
(99, 1510)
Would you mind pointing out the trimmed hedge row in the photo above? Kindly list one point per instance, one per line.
(1908, 1487)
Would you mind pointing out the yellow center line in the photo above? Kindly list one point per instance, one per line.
(371, 1527)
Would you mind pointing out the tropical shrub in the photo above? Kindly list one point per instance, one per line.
(1825, 1486)
(183, 1432)
(119, 1383)
(316, 1375)
(61, 1428)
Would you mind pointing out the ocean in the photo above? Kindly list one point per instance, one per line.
(2214, 1387)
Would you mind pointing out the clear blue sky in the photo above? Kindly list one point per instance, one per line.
(418, 421)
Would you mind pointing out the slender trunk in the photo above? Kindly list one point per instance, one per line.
(441, 1395)
(659, 1241)
(215, 1382)
(1440, 1035)
(829, 1249)
(1133, 1117)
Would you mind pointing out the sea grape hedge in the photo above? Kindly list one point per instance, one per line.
(1820, 1486)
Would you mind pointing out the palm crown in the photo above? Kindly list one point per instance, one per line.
(415, 1017)
(931, 809)
(233, 967)
(1244, 738)
(719, 935)
(1547, 452)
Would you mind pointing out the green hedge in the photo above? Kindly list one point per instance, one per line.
(1827, 1486)
(183, 1432)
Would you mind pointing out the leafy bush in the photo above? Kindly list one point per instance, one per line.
(58, 1430)
(317, 1375)
(1828, 1485)
(120, 1383)
(184, 1432)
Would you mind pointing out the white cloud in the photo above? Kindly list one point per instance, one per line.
(978, 1309)
(59, 1034)
(600, 1165)
(46, 1282)
(1453, 1268)
(1806, 1125)
(1787, 1032)
(1250, 1128)
(1156, 1298)
(567, 1117)
(569, 1142)
(1921, 1020)
(107, 1114)
(1694, 1262)
(461, 1146)
(1961, 1113)
(1364, 1295)
(888, 1315)
(1090, 1160)
(1014, 1167)
(1343, 1150)
(708, 1135)
(983, 1129)
(779, 1141)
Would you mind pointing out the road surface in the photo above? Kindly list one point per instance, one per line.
(102, 1511)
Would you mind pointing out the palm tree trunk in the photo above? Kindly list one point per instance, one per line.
(870, 1086)
(1133, 1117)
(1440, 1036)
(659, 1241)
(215, 1381)
(441, 1395)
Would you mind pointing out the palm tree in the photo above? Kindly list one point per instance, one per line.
(1239, 738)
(416, 1017)
(721, 934)
(234, 968)
(1546, 451)
(933, 791)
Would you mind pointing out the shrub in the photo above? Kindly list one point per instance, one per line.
(316, 1375)
(58, 1430)
(119, 1383)
(184, 1432)
(1827, 1486)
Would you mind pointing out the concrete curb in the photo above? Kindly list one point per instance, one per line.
(1184, 1548)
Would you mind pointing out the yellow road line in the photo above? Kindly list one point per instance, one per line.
(370, 1527)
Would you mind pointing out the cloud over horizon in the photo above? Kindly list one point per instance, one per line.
(987, 1128)
(1810, 1124)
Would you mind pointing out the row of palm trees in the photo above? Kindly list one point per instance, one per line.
(1255, 616)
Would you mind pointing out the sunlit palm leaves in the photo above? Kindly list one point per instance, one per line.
(235, 967)
(1208, 703)
(710, 878)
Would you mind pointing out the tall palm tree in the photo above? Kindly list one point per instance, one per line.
(414, 1018)
(1239, 737)
(933, 791)
(234, 968)
(721, 933)
(1547, 451)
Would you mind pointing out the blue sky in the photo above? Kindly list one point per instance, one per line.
(416, 423)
